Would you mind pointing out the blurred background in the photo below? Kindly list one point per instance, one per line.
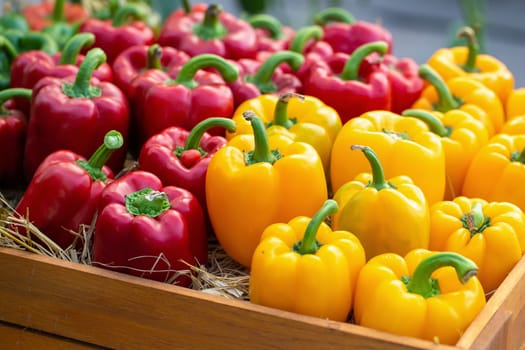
(419, 27)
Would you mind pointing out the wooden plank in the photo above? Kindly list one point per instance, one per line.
(15, 337)
(119, 311)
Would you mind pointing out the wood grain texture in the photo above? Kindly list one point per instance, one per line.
(114, 310)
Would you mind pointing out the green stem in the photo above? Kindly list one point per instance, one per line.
(446, 101)
(185, 77)
(186, 5)
(153, 57)
(280, 115)
(125, 12)
(434, 124)
(268, 22)
(211, 26)
(58, 11)
(351, 68)
(263, 77)
(7, 94)
(303, 35)
(113, 140)
(475, 221)
(422, 282)
(378, 174)
(194, 137)
(82, 87)
(261, 151)
(38, 41)
(9, 49)
(333, 14)
(518, 156)
(147, 202)
(73, 47)
(473, 48)
(309, 245)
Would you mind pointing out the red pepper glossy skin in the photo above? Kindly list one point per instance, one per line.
(77, 124)
(114, 40)
(265, 43)
(346, 37)
(240, 40)
(13, 130)
(120, 238)
(133, 61)
(61, 196)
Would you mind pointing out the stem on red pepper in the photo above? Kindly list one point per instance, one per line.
(147, 202)
(74, 45)
(434, 124)
(261, 151)
(475, 221)
(58, 11)
(128, 11)
(473, 48)
(268, 22)
(310, 245)
(185, 77)
(186, 5)
(38, 41)
(7, 47)
(303, 35)
(263, 77)
(211, 26)
(422, 282)
(7, 94)
(195, 135)
(518, 156)
(82, 87)
(113, 140)
(446, 101)
(351, 68)
(333, 14)
(378, 174)
(280, 115)
(153, 57)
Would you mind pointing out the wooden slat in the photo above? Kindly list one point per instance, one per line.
(119, 311)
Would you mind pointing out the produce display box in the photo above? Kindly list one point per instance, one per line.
(48, 303)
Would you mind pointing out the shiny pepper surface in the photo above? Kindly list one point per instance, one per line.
(305, 267)
(257, 180)
(492, 234)
(405, 146)
(428, 295)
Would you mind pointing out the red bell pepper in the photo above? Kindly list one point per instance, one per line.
(185, 98)
(149, 230)
(116, 35)
(346, 34)
(180, 157)
(209, 29)
(272, 36)
(139, 58)
(13, 129)
(31, 66)
(266, 77)
(44, 13)
(344, 90)
(65, 190)
(75, 113)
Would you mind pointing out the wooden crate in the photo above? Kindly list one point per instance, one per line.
(49, 303)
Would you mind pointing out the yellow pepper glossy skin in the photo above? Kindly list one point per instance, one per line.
(497, 171)
(514, 126)
(405, 146)
(461, 61)
(515, 105)
(387, 216)
(461, 135)
(462, 93)
(301, 118)
(319, 282)
(386, 300)
(243, 198)
(492, 234)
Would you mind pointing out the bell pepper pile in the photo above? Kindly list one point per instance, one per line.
(350, 183)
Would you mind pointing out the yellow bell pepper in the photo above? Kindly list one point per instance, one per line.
(256, 180)
(492, 234)
(497, 171)
(405, 146)
(306, 268)
(461, 61)
(387, 216)
(461, 93)
(302, 118)
(427, 295)
(515, 105)
(461, 135)
(514, 126)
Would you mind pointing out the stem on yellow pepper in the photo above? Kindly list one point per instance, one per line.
(261, 151)
(309, 245)
(280, 115)
(473, 48)
(422, 282)
(378, 174)
(446, 101)
(351, 68)
(147, 202)
(518, 156)
(434, 124)
(475, 221)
